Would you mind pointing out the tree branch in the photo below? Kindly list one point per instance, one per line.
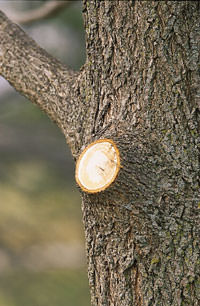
(36, 74)
(48, 9)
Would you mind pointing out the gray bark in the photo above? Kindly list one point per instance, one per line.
(139, 87)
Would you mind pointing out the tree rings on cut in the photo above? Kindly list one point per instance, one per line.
(98, 166)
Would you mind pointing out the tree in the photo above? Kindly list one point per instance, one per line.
(139, 88)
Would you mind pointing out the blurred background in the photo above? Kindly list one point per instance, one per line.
(42, 257)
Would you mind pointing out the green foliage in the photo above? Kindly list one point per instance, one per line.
(49, 288)
(39, 203)
(72, 16)
(39, 206)
(35, 197)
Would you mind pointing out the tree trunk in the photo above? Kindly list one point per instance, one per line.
(142, 234)
(139, 88)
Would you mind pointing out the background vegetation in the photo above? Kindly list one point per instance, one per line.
(42, 258)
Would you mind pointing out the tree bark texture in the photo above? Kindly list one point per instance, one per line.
(140, 87)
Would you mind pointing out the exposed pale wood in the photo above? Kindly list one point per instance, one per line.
(98, 166)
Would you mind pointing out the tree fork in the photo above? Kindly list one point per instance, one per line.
(41, 78)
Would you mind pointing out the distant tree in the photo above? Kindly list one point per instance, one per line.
(139, 88)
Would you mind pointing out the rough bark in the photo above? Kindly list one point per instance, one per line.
(143, 234)
(42, 79)
(139, 87)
